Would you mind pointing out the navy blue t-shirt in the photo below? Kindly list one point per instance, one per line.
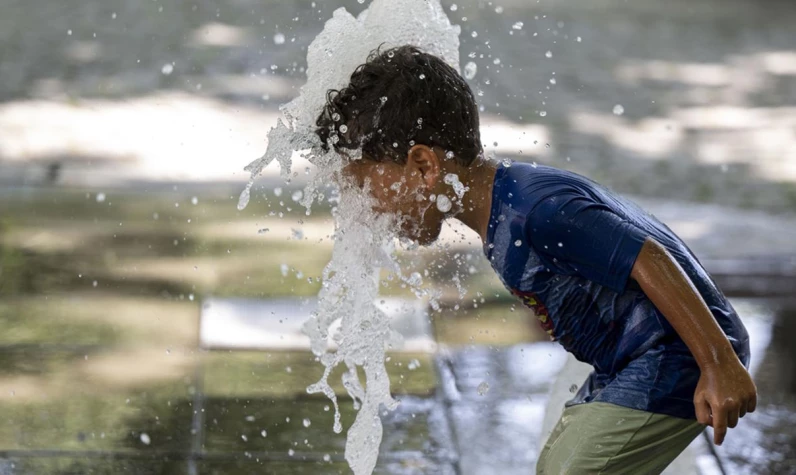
(566, 246)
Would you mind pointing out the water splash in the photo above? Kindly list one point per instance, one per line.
(363, 243)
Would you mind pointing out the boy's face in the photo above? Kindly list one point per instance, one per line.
(403, 190)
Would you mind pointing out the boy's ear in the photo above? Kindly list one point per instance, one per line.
(425, 163)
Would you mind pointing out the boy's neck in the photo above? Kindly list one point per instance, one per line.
(477, 202)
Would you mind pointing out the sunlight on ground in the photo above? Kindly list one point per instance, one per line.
(168, 136)
(719, 109)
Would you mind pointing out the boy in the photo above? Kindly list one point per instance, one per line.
(613, 285)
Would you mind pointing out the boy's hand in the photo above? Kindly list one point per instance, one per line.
(724, 394)
(725, 391)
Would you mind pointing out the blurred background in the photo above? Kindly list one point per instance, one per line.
(148, 326)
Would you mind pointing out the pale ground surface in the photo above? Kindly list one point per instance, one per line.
(179, 138)
(175, 136)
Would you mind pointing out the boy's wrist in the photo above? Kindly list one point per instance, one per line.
(718, 359)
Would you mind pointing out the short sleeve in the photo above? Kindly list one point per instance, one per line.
(577, 232)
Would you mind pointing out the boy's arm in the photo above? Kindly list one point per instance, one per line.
(725, 390)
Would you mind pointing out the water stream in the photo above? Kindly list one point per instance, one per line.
(363, 242)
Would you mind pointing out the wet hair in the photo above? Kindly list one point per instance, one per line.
(401, 97)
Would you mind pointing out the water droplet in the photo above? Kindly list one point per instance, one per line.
(454, 7)
(263, 433)
(413, 365)
(449, 154)
(422, 76)
(306, 422)
(444, 203)
(483, 388)
(498, 10)
(167, 69)
(245, 439)
(326, 458)
(561, 244)
(549, 54)
(277, 192)
(578, 39)
(291, 452)
(470, 70)
(100, 197)
(517, 26)
(474, 34)
(542, 113)
(279, 39)
(518, 243)
(144, 437)
(618, 109)
(343, 129)
(573, 388)
(194, 200)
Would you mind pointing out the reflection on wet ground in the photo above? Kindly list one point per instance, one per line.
(111, 378)
(75, 407)
(766, 440)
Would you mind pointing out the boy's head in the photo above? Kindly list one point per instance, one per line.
(415, 119)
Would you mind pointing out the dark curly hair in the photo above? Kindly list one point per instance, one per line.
(400, 97)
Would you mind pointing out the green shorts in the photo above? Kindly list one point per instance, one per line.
(605, 438)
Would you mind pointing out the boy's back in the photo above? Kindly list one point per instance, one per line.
(566, 247)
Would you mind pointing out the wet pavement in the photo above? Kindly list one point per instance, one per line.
(103, 369)
(477, 409)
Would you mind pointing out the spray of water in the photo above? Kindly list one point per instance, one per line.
(363, 243)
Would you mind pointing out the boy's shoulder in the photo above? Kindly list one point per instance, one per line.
(525, 185)
(546, 176)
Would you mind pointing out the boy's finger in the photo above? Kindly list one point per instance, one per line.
(719, 426)
(752, 403)
(702, 410)
(732, 418)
